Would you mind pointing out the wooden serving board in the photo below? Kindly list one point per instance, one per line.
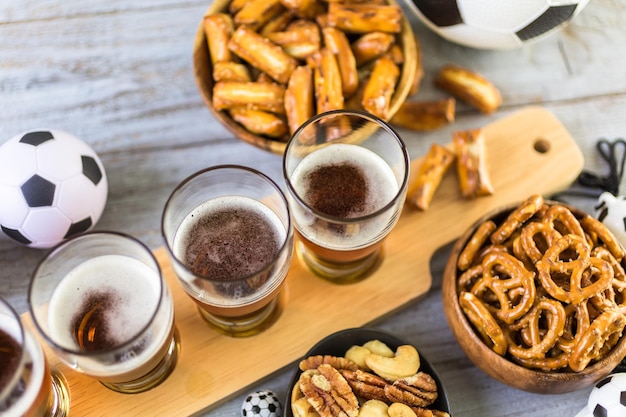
(213, 367)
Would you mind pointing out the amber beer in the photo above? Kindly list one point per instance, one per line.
(102, 304)
(344, 182)
(28, 387)
(230, 245)
(347, 188)
(229, 237)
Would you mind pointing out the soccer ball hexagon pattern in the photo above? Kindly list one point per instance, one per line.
(263, 403)
(496, 24)
(52, 186)
(607, 397)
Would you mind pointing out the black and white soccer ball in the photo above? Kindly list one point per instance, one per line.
(611, 210)
(53, 186)
(607, 398)
(496, 24)
(263, 403)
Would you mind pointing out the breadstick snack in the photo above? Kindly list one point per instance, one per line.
(263, 54)
(254, 95)
(258, 121)
(470, 87)
(425, 115)
(380, 87)
(543, 286)
(364, 18)
(471, 163)
(432, 169)
(338, 43)
(299, 97)
(256, 13)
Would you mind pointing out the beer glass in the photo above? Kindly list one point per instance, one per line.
(28, 386)
(228, 233)
(346, 174)
(101, 303)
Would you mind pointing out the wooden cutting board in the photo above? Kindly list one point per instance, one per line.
(213, 367)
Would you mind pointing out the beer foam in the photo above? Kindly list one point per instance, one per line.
(137, 291)
(228, 203)
(378, 175)
(136, 296)
(381, 183)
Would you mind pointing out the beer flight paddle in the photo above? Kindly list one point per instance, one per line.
(213, 367)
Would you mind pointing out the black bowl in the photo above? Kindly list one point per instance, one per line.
(338, 343)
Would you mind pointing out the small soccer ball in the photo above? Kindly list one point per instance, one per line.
(52, 186)
(496, 24)
(611, 210)
(608, 397)
(261, 404)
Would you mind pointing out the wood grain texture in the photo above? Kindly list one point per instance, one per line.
(119, 75)
(213, 367)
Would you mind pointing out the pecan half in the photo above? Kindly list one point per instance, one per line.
(366, 385)
(419, 390)
(337, 362)
(328, 392)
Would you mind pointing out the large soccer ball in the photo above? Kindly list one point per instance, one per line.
(496, 24)
(607, 398)
(52, 187)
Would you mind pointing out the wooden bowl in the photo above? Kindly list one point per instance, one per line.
(499, 367)
(204, 80)
(338, 343)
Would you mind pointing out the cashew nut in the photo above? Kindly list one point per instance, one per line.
(404, 363)
(357, 355)
(400, 410)
(379, 348)
(373, 408)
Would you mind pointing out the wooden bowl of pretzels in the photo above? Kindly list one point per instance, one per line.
(264, 67)
(534, 294)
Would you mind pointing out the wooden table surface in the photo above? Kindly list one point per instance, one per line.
(118, 75)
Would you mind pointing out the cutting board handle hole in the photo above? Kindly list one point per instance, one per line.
(542, 145)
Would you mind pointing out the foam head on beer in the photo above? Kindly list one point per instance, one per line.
(343, 181)
(229, 238)
(116, 292)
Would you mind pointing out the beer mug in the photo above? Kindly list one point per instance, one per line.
(347, 175)
(28, 386)
(101, 303)
(228, 233)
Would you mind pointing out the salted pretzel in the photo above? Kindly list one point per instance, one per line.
(502, 273)
(610, 323)
(619, 275)
(517, 217)
(574, 291)
(547, 364)
(473, 245)
(540, 340)
(600, 232)
(534, 232)
(576, 324)
(482, 320)
(563, 220)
